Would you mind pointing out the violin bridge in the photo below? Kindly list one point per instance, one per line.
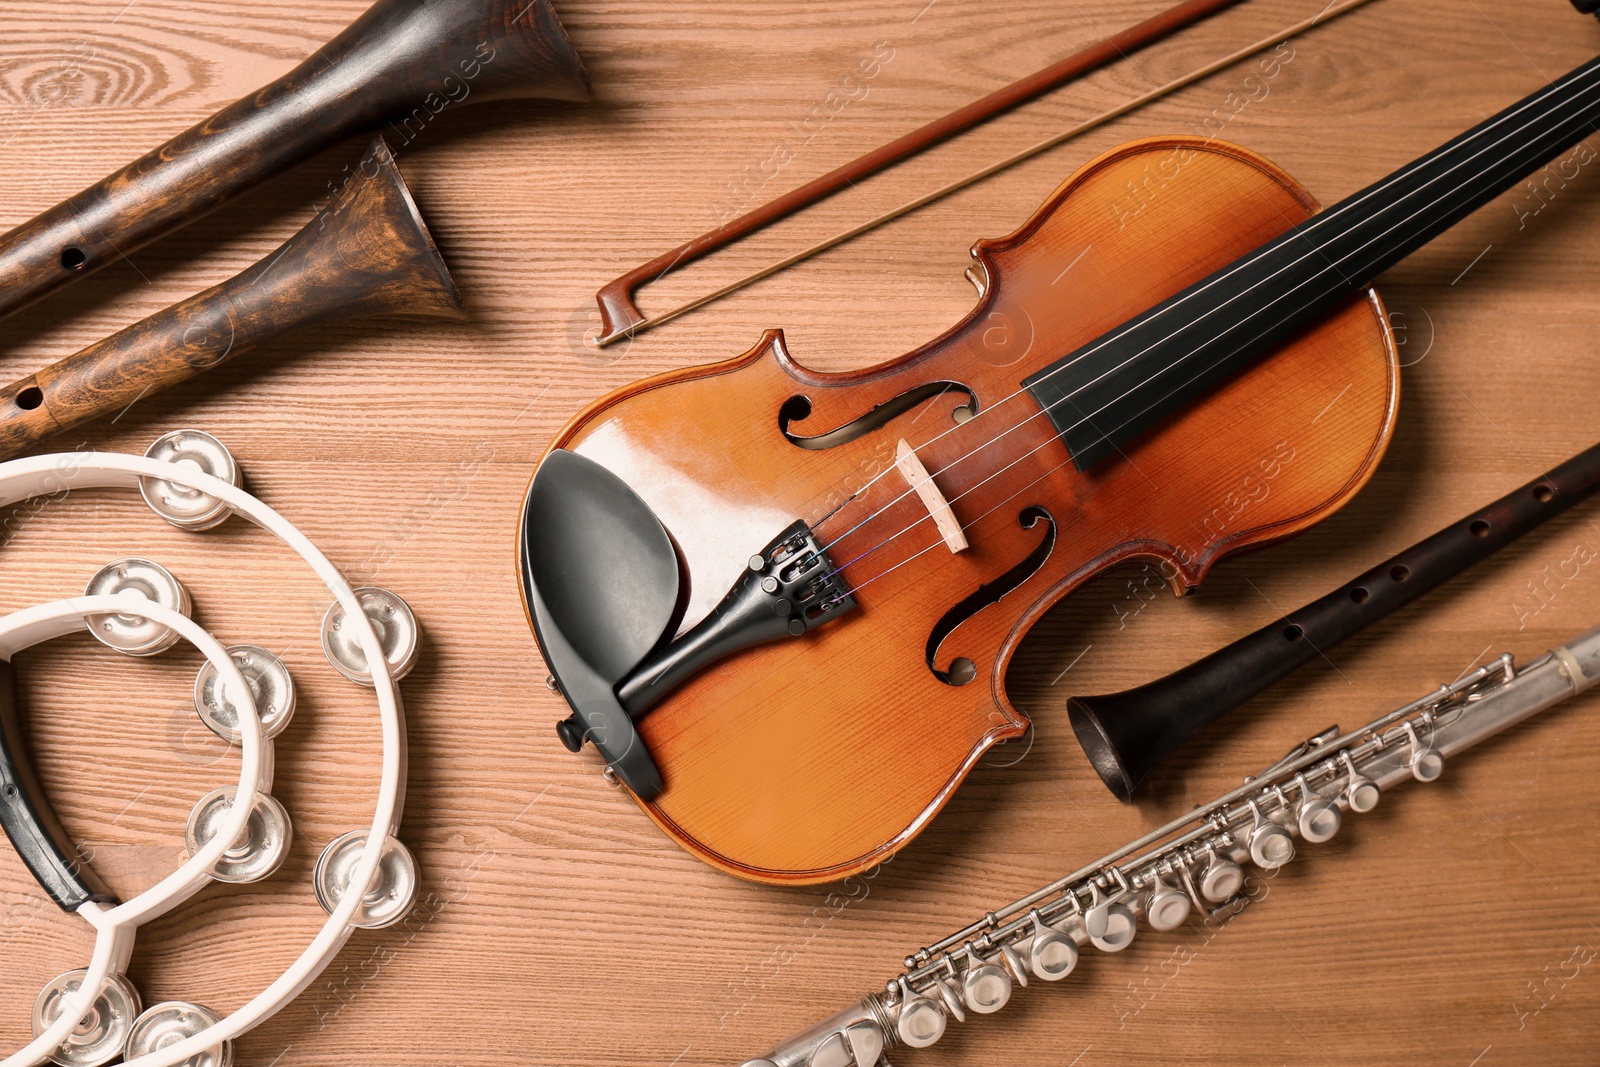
(917, 476)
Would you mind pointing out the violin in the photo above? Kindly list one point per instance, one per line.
(782, 603)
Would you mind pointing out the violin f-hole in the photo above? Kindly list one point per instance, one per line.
(798, 408)
(961, 670)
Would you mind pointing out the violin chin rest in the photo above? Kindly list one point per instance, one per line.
(602, 580)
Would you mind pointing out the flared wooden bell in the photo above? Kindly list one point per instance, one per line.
(366, 253)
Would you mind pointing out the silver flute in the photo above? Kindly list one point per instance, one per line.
(1192, 863)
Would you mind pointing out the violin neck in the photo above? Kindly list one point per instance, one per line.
(1110, 390)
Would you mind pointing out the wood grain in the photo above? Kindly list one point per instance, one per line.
(403, 450)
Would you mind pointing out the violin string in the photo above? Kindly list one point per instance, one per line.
(1320, 221)
(1458, 189)
(938, 542)
(1316, 224)
(1327, 14)
(1095, 346)
(1334, 265)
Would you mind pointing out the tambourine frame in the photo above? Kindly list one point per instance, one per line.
(115, 927)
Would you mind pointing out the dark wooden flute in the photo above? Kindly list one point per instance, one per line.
(367, 253)
(1126, 735)
(399, 66)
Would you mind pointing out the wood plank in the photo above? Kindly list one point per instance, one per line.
(570, 933)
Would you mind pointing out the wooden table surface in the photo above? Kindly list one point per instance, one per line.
(1455, 925)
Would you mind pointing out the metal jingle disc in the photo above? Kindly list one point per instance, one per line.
(1053, 954)
(100, 1036)
(164, 1025)
(184, 507)
(131, 634)
(261, 848)
(391, 617)
(270, 683)
(394, 885)
(986, 988)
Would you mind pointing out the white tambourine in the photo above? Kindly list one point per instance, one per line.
(227, 840)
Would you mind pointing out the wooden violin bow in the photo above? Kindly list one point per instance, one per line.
(1326, 15)
(620, 315)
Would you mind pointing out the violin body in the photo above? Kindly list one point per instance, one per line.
(808, 760)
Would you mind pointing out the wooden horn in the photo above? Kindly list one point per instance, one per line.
(367, 253)
(403, 63)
